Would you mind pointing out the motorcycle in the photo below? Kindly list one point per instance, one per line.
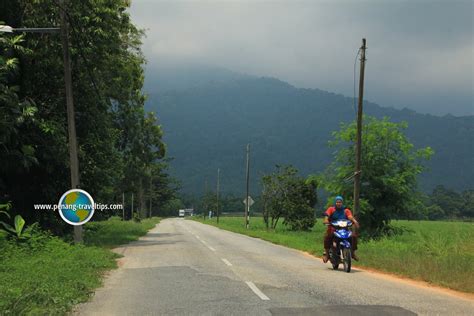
(341, 245)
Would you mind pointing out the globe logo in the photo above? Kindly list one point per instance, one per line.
(76, 207)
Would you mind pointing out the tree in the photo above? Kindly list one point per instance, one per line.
(16, 113)
(289, 196)
(448, 200)
(451, 203)
(120, 146)
(171, 207)
(468, 207)
(390, 166)
(208, 202)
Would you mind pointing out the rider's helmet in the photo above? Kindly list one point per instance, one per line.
(338, 198)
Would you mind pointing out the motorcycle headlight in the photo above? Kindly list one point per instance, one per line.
(342, 224)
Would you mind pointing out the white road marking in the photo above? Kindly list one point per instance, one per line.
(211, 248)
(198, 237)
(255, 289)
(226, 262)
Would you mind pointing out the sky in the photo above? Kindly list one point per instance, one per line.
(419, 53)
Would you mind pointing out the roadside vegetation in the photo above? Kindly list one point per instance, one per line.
(440, 253)
(45, 275)
(437, 252)
(122, 156)
(114, 231)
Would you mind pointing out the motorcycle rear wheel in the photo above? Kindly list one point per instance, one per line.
(347, 256)
(334, 259)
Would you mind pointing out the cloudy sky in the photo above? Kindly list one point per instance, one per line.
(420, 53)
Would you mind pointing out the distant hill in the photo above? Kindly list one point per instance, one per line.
(171, 75)
(207, 125)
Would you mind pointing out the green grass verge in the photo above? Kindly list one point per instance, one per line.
(440, 253)
(47, 276)
(114, 232)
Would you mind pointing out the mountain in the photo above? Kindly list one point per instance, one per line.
(208, 125)
(171, 75)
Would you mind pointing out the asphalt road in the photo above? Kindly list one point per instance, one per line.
(184, 267)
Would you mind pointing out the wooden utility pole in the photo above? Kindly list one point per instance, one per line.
(123, 206)
(151, 193)
(217, 204)
(131, 215)
(71, 124)
(357, 172)
(205, 206)
(247, 207)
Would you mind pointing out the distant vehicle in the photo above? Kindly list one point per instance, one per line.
(186, 212)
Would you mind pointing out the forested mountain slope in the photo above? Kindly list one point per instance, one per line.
(208, 125)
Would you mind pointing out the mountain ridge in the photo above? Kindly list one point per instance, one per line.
(285, 124)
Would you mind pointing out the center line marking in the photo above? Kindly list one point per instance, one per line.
(198, 237)
(211, 248)
(226, 262)
(255, 289)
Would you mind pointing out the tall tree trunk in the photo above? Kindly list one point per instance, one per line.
(265, 214)
(276, 222)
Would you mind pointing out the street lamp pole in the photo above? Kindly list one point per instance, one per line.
(73, 157)
(71, 123)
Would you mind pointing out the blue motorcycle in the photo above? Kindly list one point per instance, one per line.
(341, 245)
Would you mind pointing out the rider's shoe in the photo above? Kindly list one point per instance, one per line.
(355, 257)
(325, 257)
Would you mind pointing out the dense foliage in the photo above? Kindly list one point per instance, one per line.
(289, 196)
(120, 146)
(389, 169)
(444, 203)
(208, 126)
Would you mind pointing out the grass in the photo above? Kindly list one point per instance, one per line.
(440, 253)
(115, 232)
(47, 275)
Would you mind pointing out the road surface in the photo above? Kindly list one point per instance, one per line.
(182, 267)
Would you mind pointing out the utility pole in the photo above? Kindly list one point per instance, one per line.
(357, 173)
(151, 193)
(206, 208)
(123, 206)
(247, 207)
(217, 196)
(131, 215)
(71, 124)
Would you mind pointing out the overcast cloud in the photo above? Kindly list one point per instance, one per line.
(420, 53)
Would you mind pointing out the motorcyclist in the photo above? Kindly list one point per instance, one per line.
(334, 213)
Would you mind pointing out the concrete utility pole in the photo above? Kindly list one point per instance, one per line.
(217, 196)
(357, 173)
(71, 124)
(247, 204)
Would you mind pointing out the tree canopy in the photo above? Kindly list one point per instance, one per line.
(289, 196)
(120, 146)
(390, 165)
